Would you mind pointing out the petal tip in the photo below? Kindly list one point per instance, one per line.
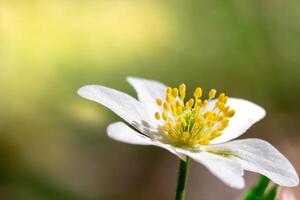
(262, 111)
(80, 91)
(85, 90)
(294, 181)
(240, 185)
(131, 79)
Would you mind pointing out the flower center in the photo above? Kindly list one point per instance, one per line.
(196, 121)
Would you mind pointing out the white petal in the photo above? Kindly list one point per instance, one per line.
(122, 133)
(259, 156)
(148, 91)
(120, 103)
(172, 149)
(246, 114)
(229, 171)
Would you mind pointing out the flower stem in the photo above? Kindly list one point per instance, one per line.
(182, 179)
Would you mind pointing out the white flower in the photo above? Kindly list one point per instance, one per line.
(199, 129)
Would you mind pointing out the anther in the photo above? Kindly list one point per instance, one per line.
(185, 135)
(157, 116)
(190, 104)
(221, 106)
(174, 109)
(198, 93)
(178, 104)
(175, 92)
(169, 90)
(159, 102)
(164, 116)
(166, 106)
(205, 102)
(199, 102)
(230, 113)
(183, 122)
(212, 93)
(169, 98)
(221, 96)
(182, 89)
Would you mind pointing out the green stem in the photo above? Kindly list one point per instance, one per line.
(182, 179)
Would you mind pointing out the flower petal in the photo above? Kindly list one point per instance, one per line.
(120, 103)
(229, 171)
(259, 156)
(246, 114)
(148, 91)
(172, 149)
(121, 132)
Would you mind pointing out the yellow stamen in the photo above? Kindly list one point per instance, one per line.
(182, 91)
(174, 109)
(169, 98)
(221, 106)
(169, 90)
(198, 93)
(183, 122)
(164, 116)
(199, 102)
(175, 92)
(230, 113)
(185, 135)
(205, 102)
(190, 104)
(222, 98)
(212, 93)
(166, 106)
(193, 123)
(157, 116)
(159, 102)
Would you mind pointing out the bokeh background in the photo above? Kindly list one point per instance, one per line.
(53, 143)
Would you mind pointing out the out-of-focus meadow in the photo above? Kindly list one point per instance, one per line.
(53, 143)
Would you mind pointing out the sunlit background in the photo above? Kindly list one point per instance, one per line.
(53, 143)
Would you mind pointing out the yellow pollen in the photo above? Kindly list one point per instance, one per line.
(165, 116)
(212, 93)
(183, 122)
(169, 90)
(175, 92)
(159, 102)
(230, 113)
(221, 106)
(192, 122)
(222, 98)
(178, 104)
(185, 135)
(198, 93)
(205, 102)
(169, 98)
(190, 104)
(157, 116)
(226, 109)
(166, 106)
(199, 103)
(182, 91)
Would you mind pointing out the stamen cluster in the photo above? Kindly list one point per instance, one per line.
(193, 122)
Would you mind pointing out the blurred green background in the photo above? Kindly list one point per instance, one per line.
(53, 143)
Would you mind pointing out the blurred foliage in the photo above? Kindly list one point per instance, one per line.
(53, 143)
(260, 191)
